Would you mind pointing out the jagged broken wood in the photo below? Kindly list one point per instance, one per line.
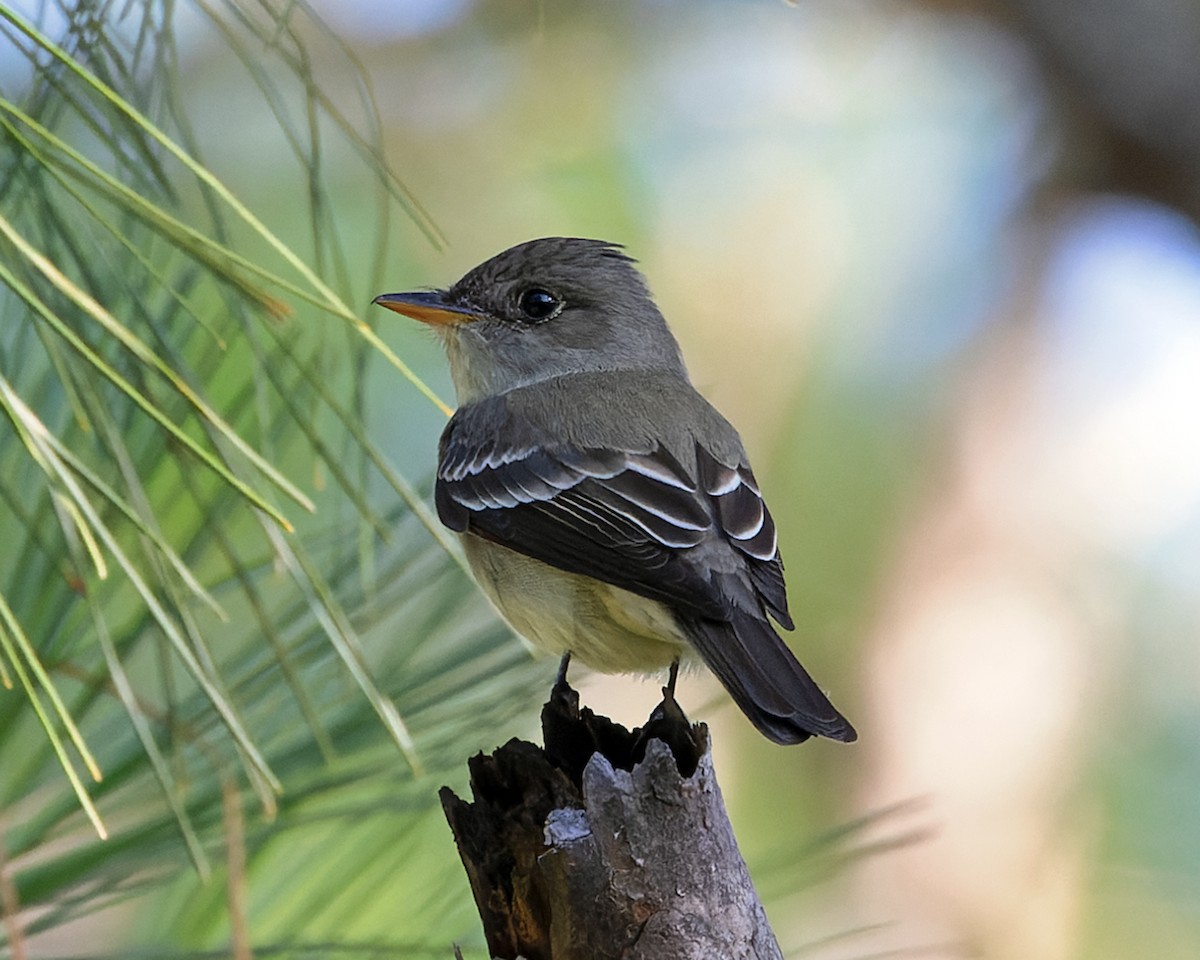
(606, 844)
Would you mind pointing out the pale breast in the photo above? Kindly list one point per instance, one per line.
(606, 627)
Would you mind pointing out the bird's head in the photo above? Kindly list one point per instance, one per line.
(543, 309)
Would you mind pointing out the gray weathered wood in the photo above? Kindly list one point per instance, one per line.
(607, 844)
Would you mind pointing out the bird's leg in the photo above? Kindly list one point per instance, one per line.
(669, 724)
(561, 679)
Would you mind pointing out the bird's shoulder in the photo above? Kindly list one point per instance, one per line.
(625, 410)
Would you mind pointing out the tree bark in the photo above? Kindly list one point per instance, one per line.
(606, 844)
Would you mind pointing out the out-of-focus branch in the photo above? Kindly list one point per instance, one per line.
(1128, 73)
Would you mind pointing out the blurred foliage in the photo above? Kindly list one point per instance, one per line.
(833, 206)
(191, 661)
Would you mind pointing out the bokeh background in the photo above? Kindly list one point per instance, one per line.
(939, 263)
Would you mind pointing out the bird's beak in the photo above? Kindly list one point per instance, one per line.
(428, 307)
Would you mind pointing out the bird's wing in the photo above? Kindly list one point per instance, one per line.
(628, 517)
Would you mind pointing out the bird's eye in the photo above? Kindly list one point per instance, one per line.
(538, 304)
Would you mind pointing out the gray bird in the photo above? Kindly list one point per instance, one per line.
(605, 507)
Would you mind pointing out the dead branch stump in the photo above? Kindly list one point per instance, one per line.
(606, 844)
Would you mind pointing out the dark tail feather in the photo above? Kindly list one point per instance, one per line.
(766, 680)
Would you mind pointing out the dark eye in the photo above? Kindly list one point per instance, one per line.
(538, 304)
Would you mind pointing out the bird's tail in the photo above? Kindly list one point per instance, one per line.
(765, 679)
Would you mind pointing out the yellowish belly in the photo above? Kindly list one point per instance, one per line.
(606, 627)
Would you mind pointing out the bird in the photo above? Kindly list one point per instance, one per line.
(604, 506)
